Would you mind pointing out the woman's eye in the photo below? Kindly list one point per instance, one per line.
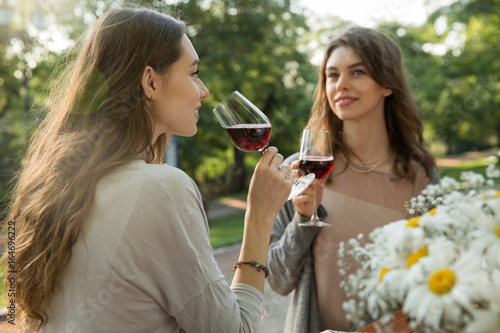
(332, 75)
(358, 72)
(196, 73)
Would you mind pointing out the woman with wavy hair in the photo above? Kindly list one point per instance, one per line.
(364, 101)
(109, 239)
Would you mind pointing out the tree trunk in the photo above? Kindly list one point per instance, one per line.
(239, 175)
(449, 146)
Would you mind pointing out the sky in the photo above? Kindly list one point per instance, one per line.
(363, 12)
(369, 12)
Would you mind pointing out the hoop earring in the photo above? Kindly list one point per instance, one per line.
(151, 99)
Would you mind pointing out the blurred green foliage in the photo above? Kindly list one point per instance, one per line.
(253, 47)
(263, 49)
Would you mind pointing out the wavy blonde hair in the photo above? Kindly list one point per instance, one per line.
(382, 57)
(97, 120)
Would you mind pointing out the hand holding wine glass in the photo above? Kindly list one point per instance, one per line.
(250, 130)
(315, 157)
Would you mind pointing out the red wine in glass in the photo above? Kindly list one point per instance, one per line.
(249, 137)
(319, 165)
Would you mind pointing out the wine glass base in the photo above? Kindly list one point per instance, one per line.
(314, 224)
(300, 184)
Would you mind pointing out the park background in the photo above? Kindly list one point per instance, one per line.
(270, 51)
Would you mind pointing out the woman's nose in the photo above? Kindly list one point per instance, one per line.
(204, 90)
(342, 83)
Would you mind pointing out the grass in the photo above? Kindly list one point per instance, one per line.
(477, 165)
(227, 231)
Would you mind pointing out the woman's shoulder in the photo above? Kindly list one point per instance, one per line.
(141, 176)
(163, 172)
(423, 178)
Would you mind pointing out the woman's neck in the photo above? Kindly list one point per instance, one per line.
(369, 142)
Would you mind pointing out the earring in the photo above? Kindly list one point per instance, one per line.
(151, 99)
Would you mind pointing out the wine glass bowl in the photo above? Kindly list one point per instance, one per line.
(319, 165)
(248, 128)
(316, 158)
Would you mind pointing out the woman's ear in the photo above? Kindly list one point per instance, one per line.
(149, 82)
(387, 92)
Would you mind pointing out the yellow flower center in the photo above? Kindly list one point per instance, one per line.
(413, 222)
(415, 256)
(442, 281)
(498, 230)
(383, 271)
(433, 211)
(497, 192)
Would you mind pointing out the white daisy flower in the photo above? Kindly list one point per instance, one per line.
(486, 214)
(443, 300)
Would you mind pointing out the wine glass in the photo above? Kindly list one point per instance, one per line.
(315, 157)
(250, 130)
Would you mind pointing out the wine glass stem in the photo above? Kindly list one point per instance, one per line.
(314, 217)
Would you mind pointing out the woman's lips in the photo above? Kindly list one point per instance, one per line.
(345, 100)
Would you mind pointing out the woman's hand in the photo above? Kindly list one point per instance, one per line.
(270, 185)
(304, 201)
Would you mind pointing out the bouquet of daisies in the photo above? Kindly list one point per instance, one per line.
(442, 268)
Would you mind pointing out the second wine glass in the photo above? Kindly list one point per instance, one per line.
(249, 130)
(315, 157)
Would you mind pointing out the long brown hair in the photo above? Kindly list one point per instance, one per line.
(382, 57)
(97, 119)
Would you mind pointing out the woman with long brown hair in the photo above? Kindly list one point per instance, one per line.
(364, 101)
(109, 239)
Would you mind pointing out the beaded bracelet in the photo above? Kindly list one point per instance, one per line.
(251, 263)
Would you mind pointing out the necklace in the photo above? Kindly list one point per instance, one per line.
(370, 166)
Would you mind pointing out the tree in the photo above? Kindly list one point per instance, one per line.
(454, 69)
(250, 46)
(25, 67)
(468, 102)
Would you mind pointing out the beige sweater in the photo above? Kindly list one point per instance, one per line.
(144, 263)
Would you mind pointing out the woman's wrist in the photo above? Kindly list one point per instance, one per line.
(254, 248)
(259, 267)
